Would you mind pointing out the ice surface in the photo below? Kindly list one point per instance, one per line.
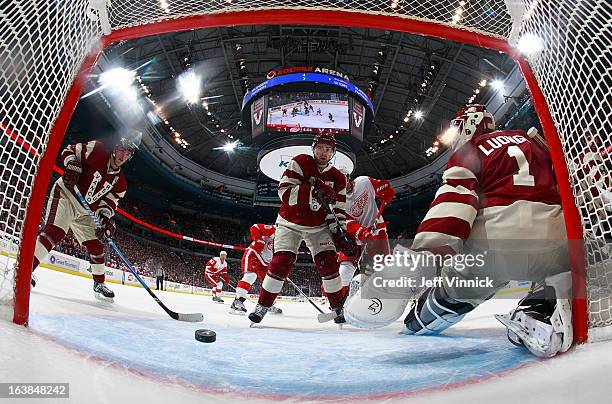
(133, 350)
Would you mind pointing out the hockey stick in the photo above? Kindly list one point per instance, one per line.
(188, 317)
(533, 133)
(296, 287)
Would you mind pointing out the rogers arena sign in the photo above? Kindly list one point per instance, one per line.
(274, 163)
(305, 69)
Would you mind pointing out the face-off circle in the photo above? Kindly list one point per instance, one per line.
(204, 335)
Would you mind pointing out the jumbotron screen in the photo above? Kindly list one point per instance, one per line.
(307, 112)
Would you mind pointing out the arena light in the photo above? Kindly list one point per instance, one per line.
(230, 146)
(482, 83)
(530, 44)
(419, 114)
(117, 78)
(497, 85)
(189, 86)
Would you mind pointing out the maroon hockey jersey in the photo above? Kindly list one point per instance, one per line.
(490, 173)
(101, 186)
(299, 206)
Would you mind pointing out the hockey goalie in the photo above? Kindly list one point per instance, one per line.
(498, 201)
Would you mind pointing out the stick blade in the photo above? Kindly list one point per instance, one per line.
(325, 317)
(189, 317)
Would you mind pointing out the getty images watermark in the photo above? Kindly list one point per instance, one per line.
(479, 269)
(407, 269)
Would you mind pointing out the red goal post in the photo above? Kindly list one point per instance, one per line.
(48, 49)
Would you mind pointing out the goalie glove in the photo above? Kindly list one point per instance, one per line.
(72, 173)
(107, 226)
(384, 191)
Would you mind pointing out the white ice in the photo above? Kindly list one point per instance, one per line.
(339, 112)
(131, 351)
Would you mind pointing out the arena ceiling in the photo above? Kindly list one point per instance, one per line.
(232, 60)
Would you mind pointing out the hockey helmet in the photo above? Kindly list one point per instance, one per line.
(222, 253)
(470, 121)
(325, 138)
(130, 140)
(344, 170)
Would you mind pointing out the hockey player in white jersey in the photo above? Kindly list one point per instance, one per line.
(366, 224)
(215, 273)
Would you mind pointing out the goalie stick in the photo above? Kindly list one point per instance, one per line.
(188, 317)
(535, 135)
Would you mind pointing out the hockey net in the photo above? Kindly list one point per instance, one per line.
(47, 47)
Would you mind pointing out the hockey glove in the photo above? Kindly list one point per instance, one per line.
(258, 246)
(384, 191)
(72, 173)
(363, 233)
(107, 227)
(344, 244)
(324, 193)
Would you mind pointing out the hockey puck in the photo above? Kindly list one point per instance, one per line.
(204, 335)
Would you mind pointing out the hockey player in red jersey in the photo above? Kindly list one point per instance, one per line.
(498, 204)
(254, 265)
(96, 172)
(215, 273)
(308, 188)
(364, 223)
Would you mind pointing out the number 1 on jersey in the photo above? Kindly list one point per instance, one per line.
(523, 177)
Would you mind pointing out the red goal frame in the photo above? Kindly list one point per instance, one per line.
(305, 17)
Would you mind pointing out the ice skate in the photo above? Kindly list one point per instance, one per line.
(258, 314)
(276, 310)
(102, 293)
(237, 307)
(339, 319)
(217, 299)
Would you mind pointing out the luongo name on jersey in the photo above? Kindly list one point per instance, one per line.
(504, 182)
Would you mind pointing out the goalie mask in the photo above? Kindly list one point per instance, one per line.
(470, 121)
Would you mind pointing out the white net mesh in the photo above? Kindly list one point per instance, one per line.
(43, 45)
(573, 72)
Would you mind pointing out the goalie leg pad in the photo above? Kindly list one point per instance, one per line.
(434, 312)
